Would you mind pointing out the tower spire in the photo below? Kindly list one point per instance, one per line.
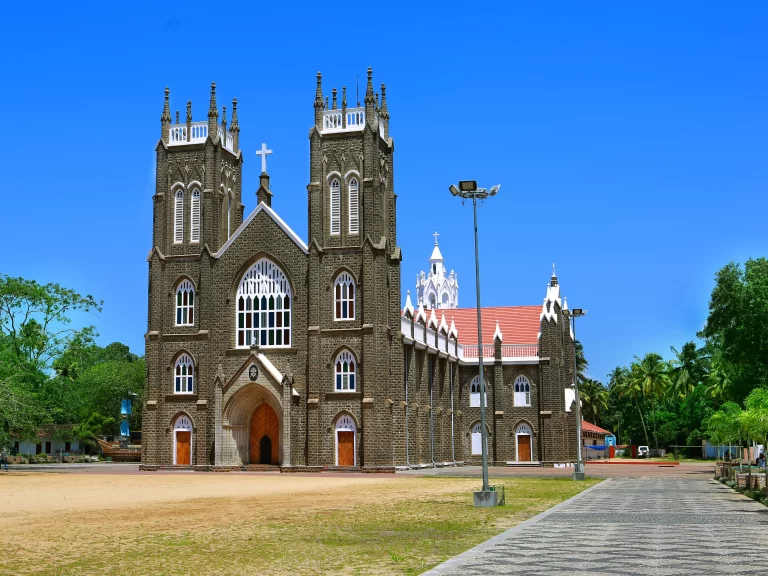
(319, 101)
(369, 89)
(213, 113)
(235, 127)
(384, 114)
(224, 118)
(165, 118)
(333, 105)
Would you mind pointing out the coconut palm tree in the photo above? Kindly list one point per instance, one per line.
(650, 374)
(688, 368)
(630, 388)
(594, 399)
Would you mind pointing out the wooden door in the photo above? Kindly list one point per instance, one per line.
(346, 448)
(264, 423)
(183, 441)
(523, 448)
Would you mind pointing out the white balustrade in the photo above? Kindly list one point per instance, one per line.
(333, 120)
(199, 132)
(441, 342)
(227, 139)
(471, 351)
(178, 135)
(405, 326)
(418, 332)
(519, 350)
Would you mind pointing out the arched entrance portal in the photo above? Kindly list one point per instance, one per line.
(182, 441)
(523, 444)
(265, 436)
(346, 432)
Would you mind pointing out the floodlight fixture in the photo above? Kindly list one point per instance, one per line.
(494, 190)
(453, 190)
(468, 185)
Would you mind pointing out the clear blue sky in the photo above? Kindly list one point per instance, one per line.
(630, 140)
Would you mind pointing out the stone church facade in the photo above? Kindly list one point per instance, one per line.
(266, 350)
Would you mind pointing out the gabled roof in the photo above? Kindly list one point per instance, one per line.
(589, 427)
(272, 214)
(519, 324)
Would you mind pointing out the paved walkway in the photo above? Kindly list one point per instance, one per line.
(629, 526)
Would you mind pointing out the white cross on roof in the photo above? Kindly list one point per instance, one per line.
(263, 153)
(436, 234)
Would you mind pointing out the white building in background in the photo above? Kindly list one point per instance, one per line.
(436, 289)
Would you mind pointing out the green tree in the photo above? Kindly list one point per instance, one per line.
(738, 324)
(581, 362)
(594, 399)
(689, 367)
(724, 426)
(630, 387)
(650, 375)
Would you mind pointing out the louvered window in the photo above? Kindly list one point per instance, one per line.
(346, 372)
(185, 304)
(194, 235)
(264, 307)
(354, 214)
(522, 391)
(185, 375)
(178, 217)
(335, 207)
(474, 393)
(344, 297)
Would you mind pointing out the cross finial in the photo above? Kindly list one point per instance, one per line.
(263, 153)
(553, 269)
(436, 234)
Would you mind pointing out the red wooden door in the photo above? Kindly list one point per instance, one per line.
(264, 422)
(523, 448)
(346, 448)
(183, 441)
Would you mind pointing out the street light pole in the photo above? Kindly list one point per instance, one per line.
(578, 473)
(468, 189)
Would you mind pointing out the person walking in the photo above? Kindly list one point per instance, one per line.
(3, 460)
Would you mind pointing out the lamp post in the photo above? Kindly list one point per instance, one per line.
(468, 189)
(578, 473)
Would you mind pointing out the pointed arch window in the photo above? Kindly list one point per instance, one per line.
(178, 217)
(344, 297)
(354, 213)
(346, 372)
(184, 375)
(474, 393)
(194, 234)
(229, 214)
(264, 307)
(185, 304)
(522, 391)
(335, 207)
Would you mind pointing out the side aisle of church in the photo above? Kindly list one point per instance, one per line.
(264, 350)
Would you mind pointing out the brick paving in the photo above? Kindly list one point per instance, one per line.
(632, 526)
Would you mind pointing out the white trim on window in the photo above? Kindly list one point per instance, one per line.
(476, 447)
(522, 391)
(344, 297)
(335, 188)
(263, 307)
(194, 229)
(178, 217)
(345, 372)
(185, 304)
(184, 375)
(474, 392)
(354, 213)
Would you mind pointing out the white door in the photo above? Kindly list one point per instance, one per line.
(477, 439)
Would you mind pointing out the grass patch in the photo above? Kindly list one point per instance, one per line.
(401, 526)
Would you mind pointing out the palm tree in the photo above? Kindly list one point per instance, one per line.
(594, 399)
(581, 363)
(688, 368)
(629, 388)
(650, 374)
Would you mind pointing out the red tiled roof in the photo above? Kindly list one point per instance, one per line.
(589, 427)
(518, 324)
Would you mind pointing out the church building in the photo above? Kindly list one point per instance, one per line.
(267, 349)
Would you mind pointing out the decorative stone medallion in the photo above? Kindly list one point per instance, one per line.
(253, 372)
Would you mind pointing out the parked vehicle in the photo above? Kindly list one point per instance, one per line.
(643, 451)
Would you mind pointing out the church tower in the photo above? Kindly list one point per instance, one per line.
(437, 289)
(353, 270)
(198, 180)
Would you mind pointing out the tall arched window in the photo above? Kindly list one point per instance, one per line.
(194, 233)
(185, 304)
(229, 214)
(184, 375)
(474, 392)
(178, 217)
(346, 372)
(354, 214)
(335, 207)
(344, 297)
(432, 301)
(477, 440)
(264, 307)
(522, 391)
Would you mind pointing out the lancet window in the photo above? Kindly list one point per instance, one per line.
(264, 307)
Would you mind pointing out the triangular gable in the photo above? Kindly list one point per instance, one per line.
(272, 214)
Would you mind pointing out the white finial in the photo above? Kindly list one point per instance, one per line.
(553, 269)
(263, 153)
(408, 304)
(565, 303)
(436, 234)
(497, 333)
